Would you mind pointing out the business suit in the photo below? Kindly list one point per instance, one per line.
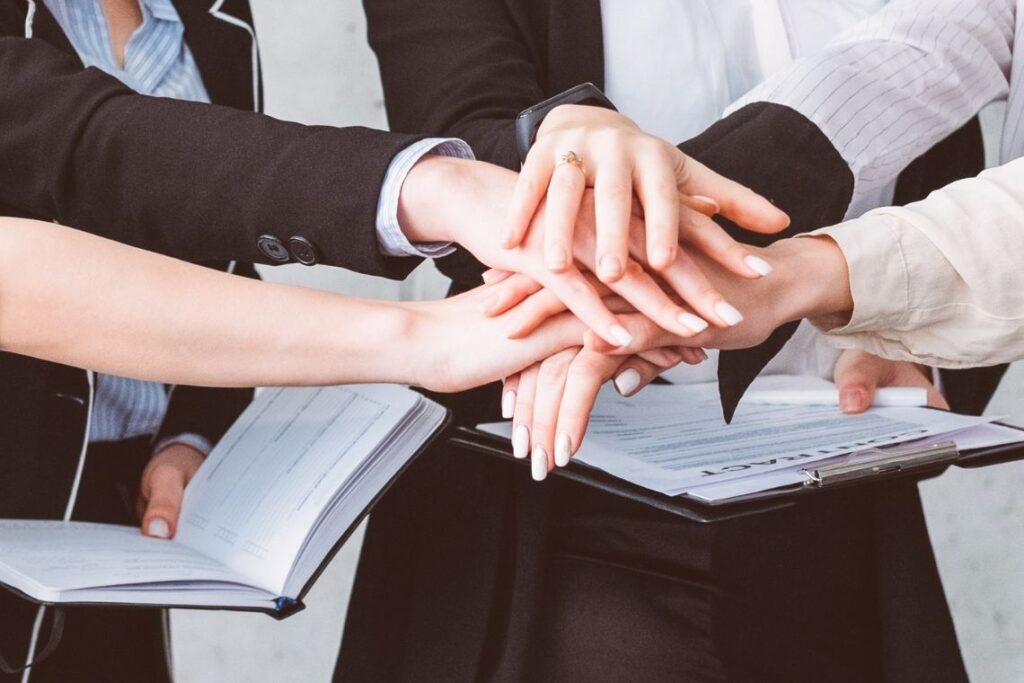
(472, 572)
(206, 183)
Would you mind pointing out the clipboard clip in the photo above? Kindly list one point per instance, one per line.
(875, 463)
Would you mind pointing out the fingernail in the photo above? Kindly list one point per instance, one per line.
(609, 267)
(627, 382)
(693, 322)
(712, 206)
(508, 405)
(508, 239)
(621, 335)
(521, 442)
(159, 528)
(563, 449)
(488, 276)
(852, 400)
(539, 464)
(758, 265)
(556, 257)
(703, 355)
(663, 256)
(726, 312)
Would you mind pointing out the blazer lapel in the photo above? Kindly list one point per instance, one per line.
(222, 39)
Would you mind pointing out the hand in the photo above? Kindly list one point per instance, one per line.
(550, 402)
(859, 374)
(474, 193)
(163, 487)
(616, 158)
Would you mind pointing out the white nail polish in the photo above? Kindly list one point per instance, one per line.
(627, 381)
(521, 442)
(563, 449)
(693, 322)
(621, 335)
(159, 528)
(539, 464)
(726, 312)
(758, 265)
(508, 405)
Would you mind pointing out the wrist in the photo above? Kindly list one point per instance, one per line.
(811, 279)
(425, 196)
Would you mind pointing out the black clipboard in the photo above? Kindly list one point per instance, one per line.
(917, 465)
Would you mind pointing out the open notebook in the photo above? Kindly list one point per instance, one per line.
(289, 480)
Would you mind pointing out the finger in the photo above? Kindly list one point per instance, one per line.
(634, 375)
(531, 186)
(692, 355)
(687, 280)
(507, 294)
(703, 234)
(643, 292)
(656, 188)
(613, 200)
(564, 196)
(705, 205)
(531, 313)
(647, 335)
(523, 413)
(493, 276)
(664, 358)
(583, 299)
(509, 391)
(588, 372)
(163, 502)
(857, 377)
(739, 204)
(550, 384)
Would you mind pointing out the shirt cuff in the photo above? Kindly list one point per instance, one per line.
(879, 274)
(393, 241)
(199, 443)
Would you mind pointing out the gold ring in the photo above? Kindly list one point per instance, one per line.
(572, 158)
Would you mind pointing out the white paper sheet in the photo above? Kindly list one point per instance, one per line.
(273, 473)
(673, 438)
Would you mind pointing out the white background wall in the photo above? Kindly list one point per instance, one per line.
(318, 69)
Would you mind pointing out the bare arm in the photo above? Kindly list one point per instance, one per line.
(82, 300)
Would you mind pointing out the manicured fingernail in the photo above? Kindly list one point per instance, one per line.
(663, 256)
(508, 405)
(610, 266)
(539, 464)
(556, 257)
(627, 382)
(710, 205)
(852, 400)
(488, 277)
(521, 442)
(758, 265)
(693, 322)
(563, 449)
(621, 335)
(159, 528)
(726, 312)
(703, 355)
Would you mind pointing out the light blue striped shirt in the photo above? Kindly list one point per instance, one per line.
(157, 61)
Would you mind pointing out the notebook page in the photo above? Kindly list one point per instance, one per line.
(62, 556)
(261, 490)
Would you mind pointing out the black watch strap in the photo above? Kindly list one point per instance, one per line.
(529, 120)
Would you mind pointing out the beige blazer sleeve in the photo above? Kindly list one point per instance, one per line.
(940, 281)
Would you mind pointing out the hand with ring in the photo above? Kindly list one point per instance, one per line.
(579, 147)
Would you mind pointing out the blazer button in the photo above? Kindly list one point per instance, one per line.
(303, 251)
(273, 248)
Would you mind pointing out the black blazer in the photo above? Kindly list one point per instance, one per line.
(434, 575)
(194, 181)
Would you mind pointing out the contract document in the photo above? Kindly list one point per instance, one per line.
(672, 439)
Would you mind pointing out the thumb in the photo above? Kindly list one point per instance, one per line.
(166, 484)
(858, 375)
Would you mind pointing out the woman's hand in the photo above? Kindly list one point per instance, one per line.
(581, 146)
(859, 374)
(550, 401)
(163, 488)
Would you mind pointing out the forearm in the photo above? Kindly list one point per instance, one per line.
(112, 308)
